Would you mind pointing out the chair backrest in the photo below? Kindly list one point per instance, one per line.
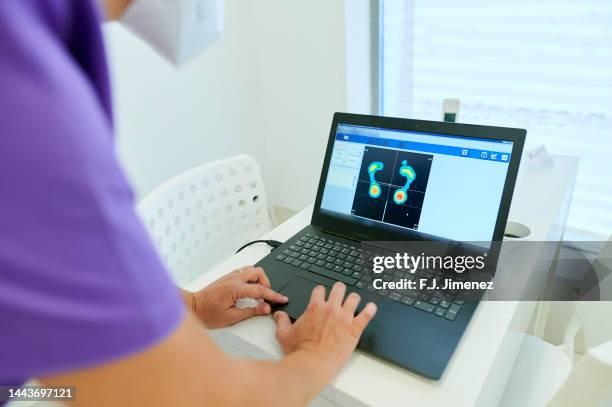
(199, 218)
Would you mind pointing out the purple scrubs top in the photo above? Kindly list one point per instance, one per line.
(80, 281)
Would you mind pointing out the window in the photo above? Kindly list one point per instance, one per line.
(545, 66)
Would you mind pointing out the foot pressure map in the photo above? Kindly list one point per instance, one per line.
(391, 186)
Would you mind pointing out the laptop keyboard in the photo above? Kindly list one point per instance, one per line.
(341, 262)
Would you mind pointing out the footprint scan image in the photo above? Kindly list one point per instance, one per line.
(375, 188)
(401, 195)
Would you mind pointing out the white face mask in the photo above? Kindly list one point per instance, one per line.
(179, 30)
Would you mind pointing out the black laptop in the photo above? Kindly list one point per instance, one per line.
(391, 179)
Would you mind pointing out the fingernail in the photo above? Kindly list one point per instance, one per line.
(285, 298)
(370, 309)
(267, 309)
(373, 308)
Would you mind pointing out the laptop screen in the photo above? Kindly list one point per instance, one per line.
(444, 186)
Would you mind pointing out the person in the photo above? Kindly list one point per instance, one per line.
(84, 299)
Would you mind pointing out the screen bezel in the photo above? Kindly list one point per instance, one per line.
(361, 232)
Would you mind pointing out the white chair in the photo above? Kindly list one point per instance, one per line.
(202, 216)
(545, 374)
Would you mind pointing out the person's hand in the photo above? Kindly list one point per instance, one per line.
(328, 329)
(215, 304)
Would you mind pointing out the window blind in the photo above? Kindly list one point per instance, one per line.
(542, 65)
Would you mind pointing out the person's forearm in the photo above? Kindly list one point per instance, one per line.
(186, 368)
(292, 381)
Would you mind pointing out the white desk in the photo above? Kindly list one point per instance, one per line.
(479, 369)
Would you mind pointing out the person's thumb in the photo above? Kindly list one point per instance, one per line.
(283, 325)
(238, 315)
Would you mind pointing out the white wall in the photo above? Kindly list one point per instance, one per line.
(170, 120)
(268, 89)
(301, 82)
(359, 64)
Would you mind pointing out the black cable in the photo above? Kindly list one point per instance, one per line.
(272, 243)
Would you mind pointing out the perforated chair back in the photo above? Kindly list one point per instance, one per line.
(202, 216)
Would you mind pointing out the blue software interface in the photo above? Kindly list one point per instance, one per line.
(441, 185)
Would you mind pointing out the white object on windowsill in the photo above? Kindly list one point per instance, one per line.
(537, 158)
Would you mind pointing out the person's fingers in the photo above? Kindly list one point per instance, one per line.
(283, 324)
(365, 316)
(259, 291)
(351, 303)
(238, 315)
(336, 294)
(254, 275)
(317, 295)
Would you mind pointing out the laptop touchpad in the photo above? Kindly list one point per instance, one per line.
(298, 291)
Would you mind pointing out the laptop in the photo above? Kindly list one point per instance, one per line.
(392, 179)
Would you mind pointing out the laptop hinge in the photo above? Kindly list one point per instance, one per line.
(354, 239)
